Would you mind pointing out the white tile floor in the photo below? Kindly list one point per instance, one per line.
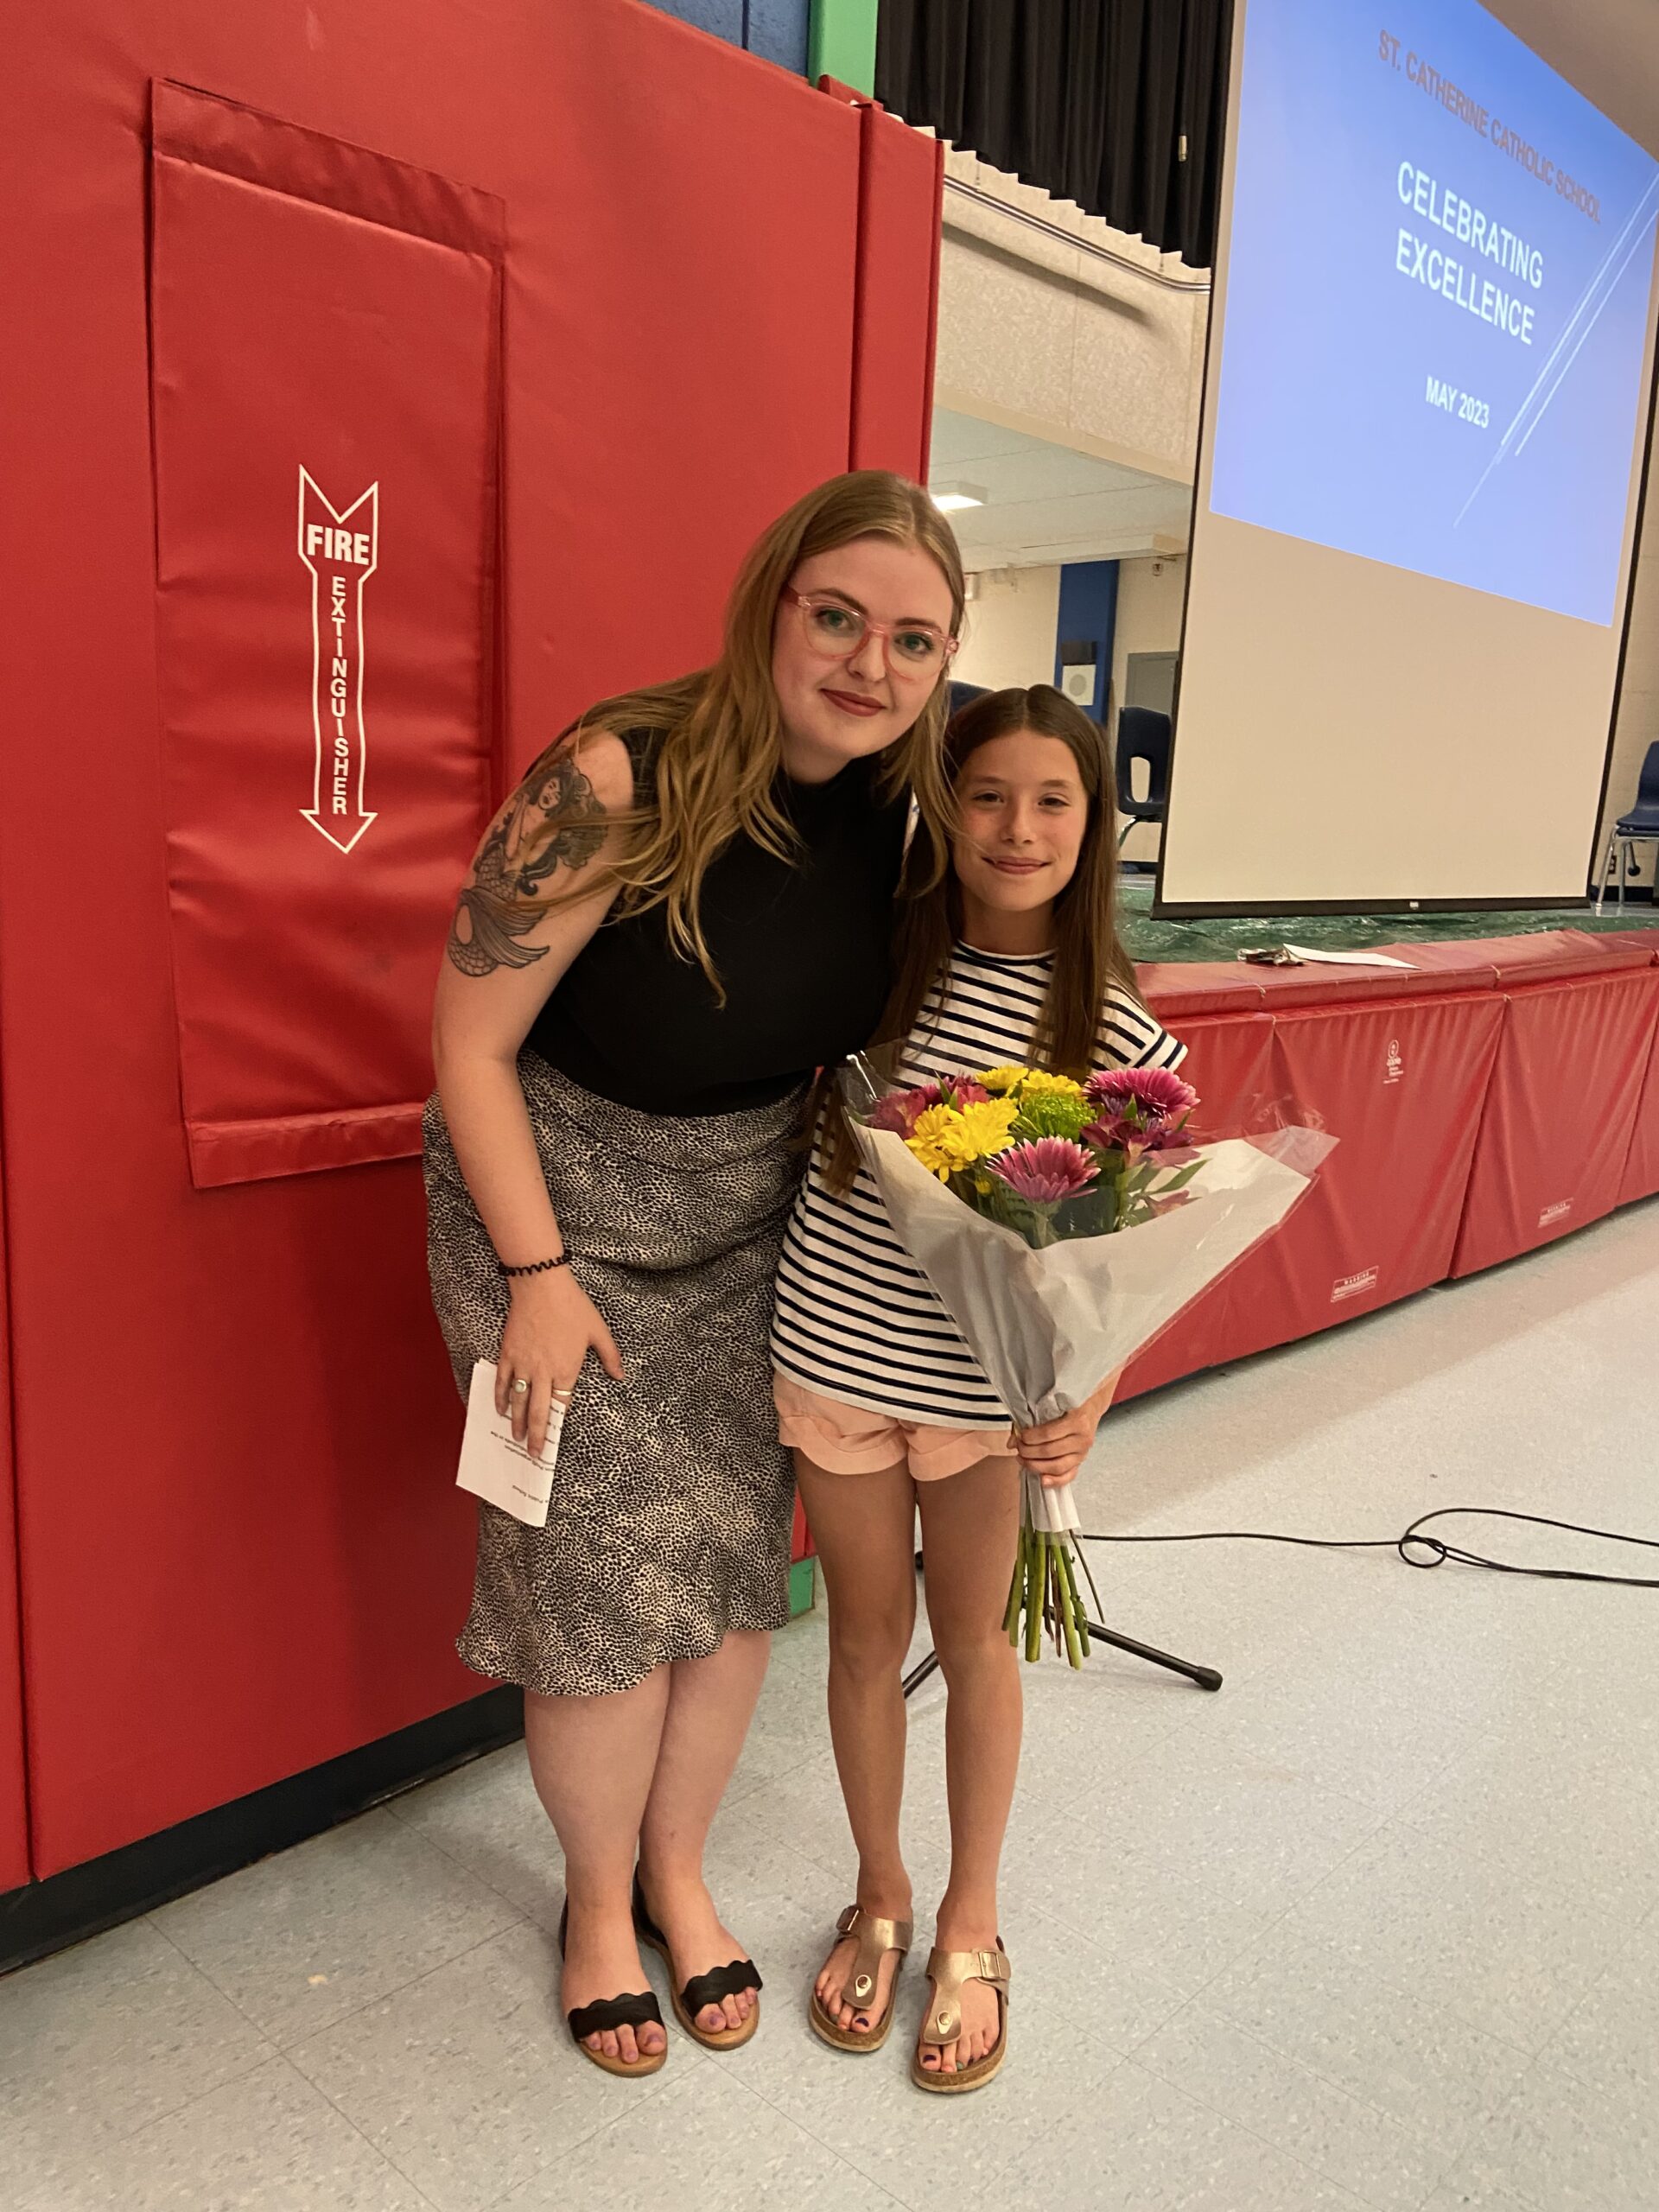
(1377, 1927)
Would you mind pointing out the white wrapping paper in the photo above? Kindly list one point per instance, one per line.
(1049, 1327)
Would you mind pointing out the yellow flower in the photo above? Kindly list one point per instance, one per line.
(1040, 1080)
(929, 1140)
(947, 1138)
(1002, 1080)
(988, 1127)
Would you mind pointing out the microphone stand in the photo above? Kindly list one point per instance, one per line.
(1207, 1677)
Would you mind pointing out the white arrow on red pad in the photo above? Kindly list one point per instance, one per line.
(341, 549)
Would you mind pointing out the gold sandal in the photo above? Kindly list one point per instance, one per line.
(876, 1938)
(947, 1970)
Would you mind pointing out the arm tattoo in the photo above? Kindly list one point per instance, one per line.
(552, 821)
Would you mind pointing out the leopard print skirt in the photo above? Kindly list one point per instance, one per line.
(672, 1498)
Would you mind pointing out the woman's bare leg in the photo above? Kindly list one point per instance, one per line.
(969, 1531)
(864, 1527)
(593, 1759)
(710, 1704)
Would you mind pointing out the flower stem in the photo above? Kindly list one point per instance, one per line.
(1067, 1597)
(1036, 1576)
(1016, 1592)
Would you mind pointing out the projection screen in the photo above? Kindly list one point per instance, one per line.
(1425, 414)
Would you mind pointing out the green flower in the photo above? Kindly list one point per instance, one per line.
(1052, 1114)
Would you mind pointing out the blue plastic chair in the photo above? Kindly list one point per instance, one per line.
(1640, 826)
(1142, 735)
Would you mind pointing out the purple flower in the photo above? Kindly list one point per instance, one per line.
(1156, 1093)
(1049, 1169)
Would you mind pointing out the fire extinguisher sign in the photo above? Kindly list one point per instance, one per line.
(340, 548)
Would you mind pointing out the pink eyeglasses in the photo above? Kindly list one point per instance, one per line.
(838, 631)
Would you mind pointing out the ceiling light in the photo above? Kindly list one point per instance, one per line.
(948, 498)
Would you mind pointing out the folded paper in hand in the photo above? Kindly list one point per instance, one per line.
(494, 1466)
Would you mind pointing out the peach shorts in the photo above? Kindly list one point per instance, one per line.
(856, 1440)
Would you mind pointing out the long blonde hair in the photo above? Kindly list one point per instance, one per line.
(722, 729)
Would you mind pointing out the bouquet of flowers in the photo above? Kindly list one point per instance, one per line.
(1013, 1190)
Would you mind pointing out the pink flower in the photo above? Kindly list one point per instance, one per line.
(966, 1091)
(1049, 1168)
(900, 1110)
(1120, 1132)
(1158, 1093)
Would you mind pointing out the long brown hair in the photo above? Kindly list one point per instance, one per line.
(1089, 960)
(716, 764)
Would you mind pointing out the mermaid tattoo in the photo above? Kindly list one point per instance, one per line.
(552, 821)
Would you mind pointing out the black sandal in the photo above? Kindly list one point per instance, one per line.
(636, 2009)
(702, 1989)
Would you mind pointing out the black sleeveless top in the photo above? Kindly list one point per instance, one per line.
(800, 946)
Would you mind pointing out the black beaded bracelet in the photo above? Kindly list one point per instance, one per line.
(536, 1266)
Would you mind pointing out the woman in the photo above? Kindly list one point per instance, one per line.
(682, 911)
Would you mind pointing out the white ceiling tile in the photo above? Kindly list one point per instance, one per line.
(1046, 502)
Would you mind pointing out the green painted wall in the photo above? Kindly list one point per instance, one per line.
(803, 1587)
(840, 42)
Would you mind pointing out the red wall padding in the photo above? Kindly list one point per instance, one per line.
(1230, 1064)
(901, 187)
(269, 1566)
(324, 370)
(14, 1785)
(1400, 1086)
(1559, 1113)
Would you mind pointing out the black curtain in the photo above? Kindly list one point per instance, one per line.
(1118, 104)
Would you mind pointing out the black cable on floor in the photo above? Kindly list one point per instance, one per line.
(1437, 1551)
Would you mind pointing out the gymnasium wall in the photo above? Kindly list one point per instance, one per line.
(1039, 334)
(1013, 622)
(776, 30)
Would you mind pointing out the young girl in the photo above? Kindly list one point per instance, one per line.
(1010, 957)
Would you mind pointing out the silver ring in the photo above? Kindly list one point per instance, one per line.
(519, 1383)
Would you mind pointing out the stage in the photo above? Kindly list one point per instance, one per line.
(1220, 937)
(1494, 1097)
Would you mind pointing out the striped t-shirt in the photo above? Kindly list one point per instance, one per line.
(856, 1319)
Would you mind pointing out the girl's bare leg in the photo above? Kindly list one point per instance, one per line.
(864, 1527)
(970, 1530)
